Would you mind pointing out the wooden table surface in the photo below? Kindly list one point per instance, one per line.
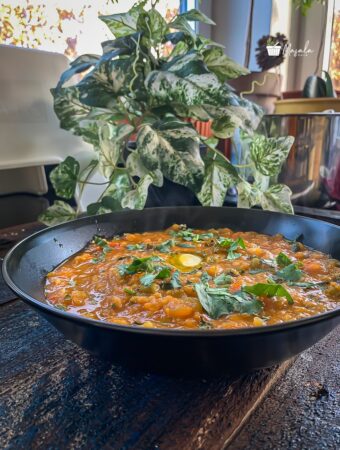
(55, 395)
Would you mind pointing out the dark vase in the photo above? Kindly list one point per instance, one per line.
(170, 194)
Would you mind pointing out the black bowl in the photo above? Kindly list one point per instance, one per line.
(175, 351)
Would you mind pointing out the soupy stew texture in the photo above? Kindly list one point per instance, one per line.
(195, 279)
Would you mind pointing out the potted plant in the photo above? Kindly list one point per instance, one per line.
(133, 93)
(264, 87)
(318, 95)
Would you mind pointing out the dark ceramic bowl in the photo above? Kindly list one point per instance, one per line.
(175, 351)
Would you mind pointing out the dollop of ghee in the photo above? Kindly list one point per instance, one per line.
(185, 262)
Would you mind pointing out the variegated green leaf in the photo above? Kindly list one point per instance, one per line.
(112, 197)
(181, 23)
(224, 126)
(218, 178)
(203, 42)
(174, 152)
(186, 84)
(79, 65)
(122, 24)
(114, 114)
(194, 15)
(59, 212)
(127, 44)
(136, 198)
(152, 24)
(89, 131)
(221, 65)
(277, 198)
(248, 195)
(69, 109)
(268, 154)
(136, 168)
(112, 140)
(64, 177)
(108, 80)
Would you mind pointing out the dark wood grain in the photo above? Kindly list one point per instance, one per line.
(8, 238)
(302, 412)
(55, 395)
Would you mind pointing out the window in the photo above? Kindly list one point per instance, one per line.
(334, 57)
(64, 26)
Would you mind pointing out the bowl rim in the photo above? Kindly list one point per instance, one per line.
(177, 332)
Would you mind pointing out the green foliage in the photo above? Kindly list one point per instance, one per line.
(64, 177)
(231, 245)
(268, 290)
(138, 265)
(223, 279)
(268, 154)
(188, 235)
(59, 212)
(283, 260)
(165, 246)
(218, 302)
(305, 5)
(133, 92)
(290, 273)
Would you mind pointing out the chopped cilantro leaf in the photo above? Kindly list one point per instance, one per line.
(129, 291)
(289, 273)
(189, 235)
(219, 301)
(232, 245)
(136, 247)
(268, 290)
(205, 277)
(223, 279)
(165, 246)
(161, 273)
(138, 265)
(283, 260)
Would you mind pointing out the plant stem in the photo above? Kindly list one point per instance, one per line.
(242, 166)
(83, 182)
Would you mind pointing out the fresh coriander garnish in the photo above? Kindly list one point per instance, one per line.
(219, 301)
(289, 273)
(189, 235)
(283, 260)
(136, 247)
(268, 290)
(161, 273)
(231, 245)
(183, 245)
(100, 242)
(174, 283)
(255, 271)
(205, 277)
(223, 279)
(130, 291)
(164, 247)
(138, 265)
(307, 284)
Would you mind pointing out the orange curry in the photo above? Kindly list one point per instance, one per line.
(184, 278)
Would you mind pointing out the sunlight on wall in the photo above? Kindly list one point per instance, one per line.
(64, 26)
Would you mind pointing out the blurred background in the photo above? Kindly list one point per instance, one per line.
(303, 33)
